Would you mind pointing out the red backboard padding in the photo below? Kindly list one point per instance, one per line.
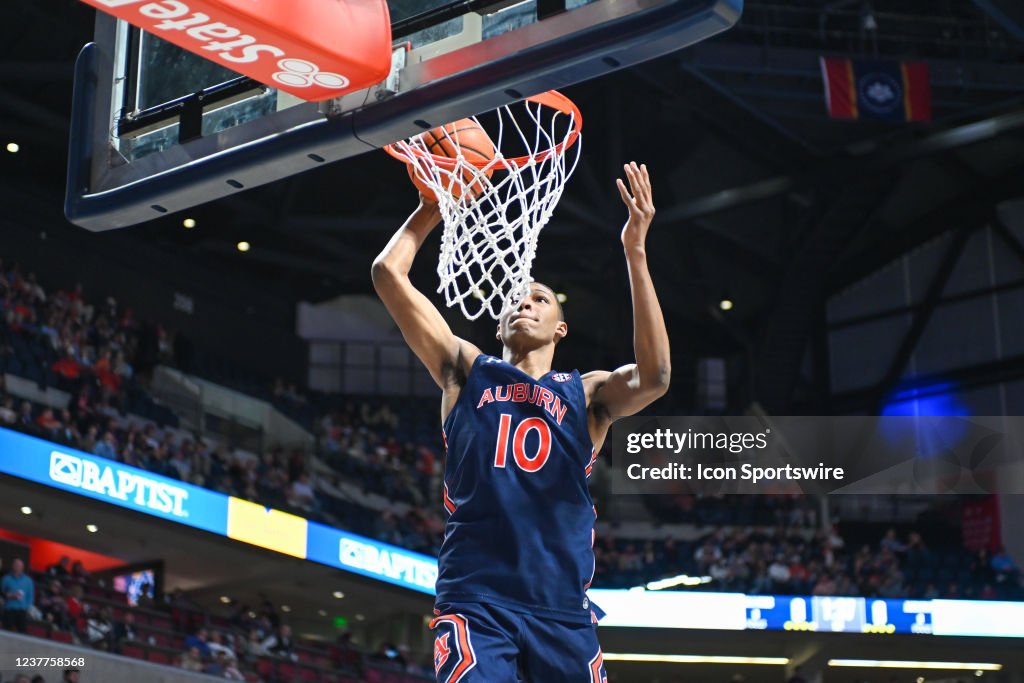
(313, 49)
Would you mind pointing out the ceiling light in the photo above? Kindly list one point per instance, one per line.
(360, 617)
(13, 147)
(91, 528)
(225, 599)
(562, 298)
(338, 594)
(286, 608)
(694, 659)
(902, 664)
(26, 510)
(725, 304)
(189, 223)
(869, 22)
(244, 246)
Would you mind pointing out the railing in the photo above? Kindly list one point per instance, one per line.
(239, 419)
(950, 32)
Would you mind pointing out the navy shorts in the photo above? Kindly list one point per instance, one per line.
(481, 643)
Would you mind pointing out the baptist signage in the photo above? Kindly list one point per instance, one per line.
(121, 484)
(395, 564)
(371, 558)
(128, 487)
(112, 482)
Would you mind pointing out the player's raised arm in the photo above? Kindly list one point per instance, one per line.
(422, 325)
(632, 387)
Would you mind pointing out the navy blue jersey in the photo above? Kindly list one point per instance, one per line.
(520, 530)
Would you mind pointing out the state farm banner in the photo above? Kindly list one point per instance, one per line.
(881, 455)
(312, 49)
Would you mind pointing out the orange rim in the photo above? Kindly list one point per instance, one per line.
(551, 98)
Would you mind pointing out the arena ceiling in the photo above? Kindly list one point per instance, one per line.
(761, 197)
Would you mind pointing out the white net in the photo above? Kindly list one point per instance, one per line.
(493, 211)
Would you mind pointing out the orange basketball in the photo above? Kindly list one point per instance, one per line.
(447, 141)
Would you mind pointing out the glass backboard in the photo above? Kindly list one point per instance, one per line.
(157, 129)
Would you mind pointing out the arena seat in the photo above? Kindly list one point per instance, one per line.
(265, 667)
(61, 636)
(38, 630)
(133, 650)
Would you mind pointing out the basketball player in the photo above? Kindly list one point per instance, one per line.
(521, 440)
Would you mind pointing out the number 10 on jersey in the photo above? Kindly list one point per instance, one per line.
(525, 462)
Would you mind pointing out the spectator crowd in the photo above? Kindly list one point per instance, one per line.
(803, 561)
(100, 354)
(245, 646)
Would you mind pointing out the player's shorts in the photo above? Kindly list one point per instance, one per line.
(481, 643)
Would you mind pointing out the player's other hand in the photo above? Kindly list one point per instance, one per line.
(639, 202)
(428, 212)
(428, 203)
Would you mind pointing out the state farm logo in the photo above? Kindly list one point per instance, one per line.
(298, 73)
(224, 41)
(112, 481)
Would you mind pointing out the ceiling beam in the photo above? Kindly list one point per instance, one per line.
(728, 199)
(757, 113)
(921, 318)
(1007, 13)
(872, 157)
(977, 200)
(784, 338)
(711, 57)
(728, 117)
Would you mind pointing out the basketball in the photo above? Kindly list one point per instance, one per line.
(465, 135)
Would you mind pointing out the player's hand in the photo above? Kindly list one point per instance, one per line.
(639, 202)
(429, 212)
(428, 202)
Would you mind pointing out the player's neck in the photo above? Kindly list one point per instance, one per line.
(536, 362)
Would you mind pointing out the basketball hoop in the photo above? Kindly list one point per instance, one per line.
(494, 209)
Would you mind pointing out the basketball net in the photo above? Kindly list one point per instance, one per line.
(493, 211)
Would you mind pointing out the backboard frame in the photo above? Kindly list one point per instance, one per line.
(106, 192)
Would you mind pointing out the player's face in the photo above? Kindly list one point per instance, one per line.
(534, 322)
